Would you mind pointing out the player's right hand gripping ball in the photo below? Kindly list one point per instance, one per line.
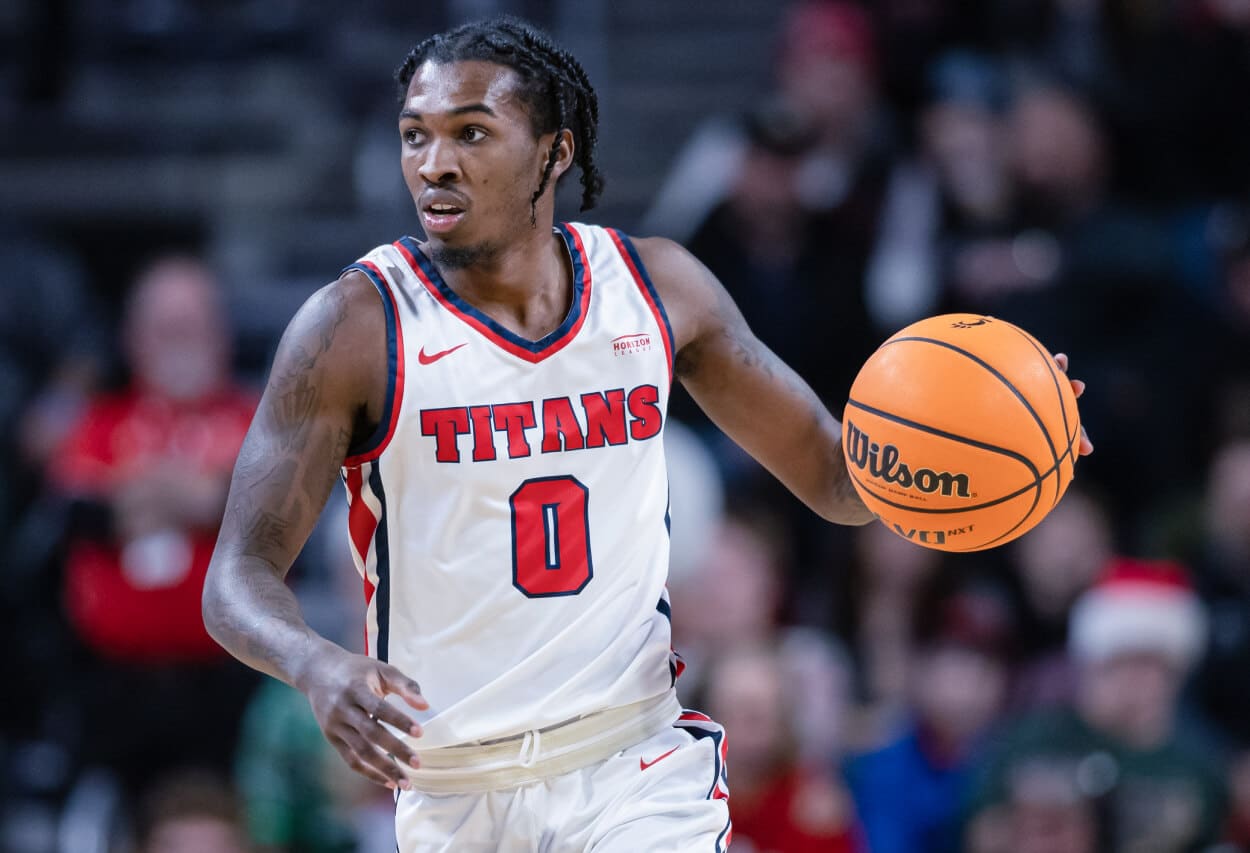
(961, 432)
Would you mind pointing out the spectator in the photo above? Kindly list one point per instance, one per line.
(910, 793)
(51, 354)
(1238, 831)
(875, 615)
(769, 251)
(191, 812)
(733, 596)
(777, 805)
(825, 77)
(818, 673)
(1073, 242)
(1223, 578)
(289, 776)
(1045, 812)
(783, 206)
(147, 469)
(1055, 563)
(1183, 136)
(954, 194)
(1225, 357)
(1134, 637)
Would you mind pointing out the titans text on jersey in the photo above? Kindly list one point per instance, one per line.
(610, 418)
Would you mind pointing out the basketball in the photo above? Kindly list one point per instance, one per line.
(961, 432)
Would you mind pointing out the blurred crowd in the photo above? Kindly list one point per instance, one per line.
(1079, 167)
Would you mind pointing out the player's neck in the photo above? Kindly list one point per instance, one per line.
(526, 286)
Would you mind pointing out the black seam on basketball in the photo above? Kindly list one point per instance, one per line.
(1038, 477)
(990, 543)
(1037, 497)
(941, 433)
(1054, 378)
(945, 511)
(1037, 485)
(993, 372)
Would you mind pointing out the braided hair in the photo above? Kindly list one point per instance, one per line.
(553, 85)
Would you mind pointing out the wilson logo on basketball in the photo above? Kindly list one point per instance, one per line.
(883, 463)
(630, 344)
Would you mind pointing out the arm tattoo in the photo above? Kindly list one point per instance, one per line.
(267, 531)
(294, 412)
(299, 396)
(341, 444)
(255, 630)
(284, 473)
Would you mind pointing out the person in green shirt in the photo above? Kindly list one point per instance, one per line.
(1122, 771)
(286, 779)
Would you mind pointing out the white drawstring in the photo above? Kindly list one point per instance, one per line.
(530, 746)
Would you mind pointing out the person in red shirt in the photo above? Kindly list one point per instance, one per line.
(778, 805)
(149, 466)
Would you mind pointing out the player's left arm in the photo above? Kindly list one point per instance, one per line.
(747, 391)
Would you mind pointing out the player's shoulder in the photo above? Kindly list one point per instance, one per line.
(687, 288)
(343, 320)
(664, 258)
(675, 273)
(351, 304)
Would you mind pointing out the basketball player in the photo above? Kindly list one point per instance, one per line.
(494, 401)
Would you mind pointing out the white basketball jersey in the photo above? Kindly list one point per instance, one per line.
(510, 515)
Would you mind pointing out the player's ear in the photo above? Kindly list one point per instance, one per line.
(564, 153)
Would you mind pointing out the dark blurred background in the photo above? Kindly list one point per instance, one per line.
(176, 177)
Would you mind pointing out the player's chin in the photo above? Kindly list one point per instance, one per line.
(458, 251)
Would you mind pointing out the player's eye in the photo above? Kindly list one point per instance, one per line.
(412, 136)
(472, 133)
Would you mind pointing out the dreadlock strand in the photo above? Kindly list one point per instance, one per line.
(551, 158)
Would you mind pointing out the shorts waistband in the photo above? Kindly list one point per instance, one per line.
(540, 753)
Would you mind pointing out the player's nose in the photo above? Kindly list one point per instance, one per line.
(440, 163)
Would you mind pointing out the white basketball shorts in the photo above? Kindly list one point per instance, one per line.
(666, 793)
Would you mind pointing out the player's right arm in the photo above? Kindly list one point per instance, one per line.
(327, 386)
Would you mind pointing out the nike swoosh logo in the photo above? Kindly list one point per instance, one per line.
(433, 357)
(643, 765)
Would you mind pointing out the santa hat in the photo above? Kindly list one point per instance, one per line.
(829, 28)
(1139, 606)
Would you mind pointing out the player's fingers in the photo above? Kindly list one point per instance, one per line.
(355, 762)
(1087, 446)
(1061, 359)
(382, 738)
(1078, 387)
(367, 756)
(394, 681)
(387, 713)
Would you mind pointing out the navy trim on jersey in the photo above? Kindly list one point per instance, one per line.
(382, 551)
(719, 846)
(575, 308)
(392, 360)
(666, 610)
(646, 279)
(699, 733)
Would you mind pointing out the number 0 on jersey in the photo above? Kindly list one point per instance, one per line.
(551, 537)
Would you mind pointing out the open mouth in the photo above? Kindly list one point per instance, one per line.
(439, 218)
